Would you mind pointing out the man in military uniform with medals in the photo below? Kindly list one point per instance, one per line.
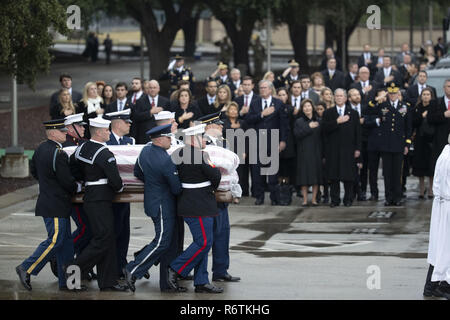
(176, 72)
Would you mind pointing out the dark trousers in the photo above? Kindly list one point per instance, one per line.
(101, 250)
(363, 172)
(335, 191)
(374, 163)
(243, 171)
(392, 172)
(82, 234)
(122, 231)
(180, 234)
(58, 243)
(258, 183)
(196, 255)
(221, 243)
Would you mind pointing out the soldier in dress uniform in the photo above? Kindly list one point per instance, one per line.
(395, 124)
(50, 167)
(97, 166)
(161, 184)
(221, 236)
(177, 72)
(120, 128)
(197, 204)
(289, 75)
(220, 75)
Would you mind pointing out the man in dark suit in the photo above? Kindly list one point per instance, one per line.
(122, 101)
(334, 78)
(367, 59)
(387, 74)
(66, 83)
(439, 116)
(342, 131)
(205, 102)
(329, 53)
(146, 107)
(367, 88)
(235, 81)
(307, 91)
(351, 76)
(266, 114)
(413, 93)
(120, 127)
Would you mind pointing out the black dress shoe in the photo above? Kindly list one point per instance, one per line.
(275, 203)
(24, 277)
(130, 279)
(373, 197)
(147, 275)
(361, 197)
(396, 203)
(189, 277)
(172, 277)
(348, 204)
(117, 287)
(332, 205)
(226, 278)
(259, 202)
(388, 203)
(208, 288)
(170, 290)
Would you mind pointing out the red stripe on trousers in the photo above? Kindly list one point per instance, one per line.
(199, 250)
(77, 209)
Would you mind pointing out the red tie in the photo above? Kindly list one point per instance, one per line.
(153, 102)
(448, 107)
(246, 101)
(134, 99)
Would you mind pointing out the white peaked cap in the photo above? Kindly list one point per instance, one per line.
(74, 118)
(125, 112)
(164, 115)
(192, 131)
(99, 122)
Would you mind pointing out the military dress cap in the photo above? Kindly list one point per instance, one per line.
(192, 131)
(179, 57)
(392, 88)
(74, 118)
(164, 115)
(123, 115)
(211, 118)
(160, 131)
(99, 122)
(293, 63)
(55, 124)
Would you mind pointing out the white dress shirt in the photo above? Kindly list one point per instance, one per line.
(340, 110)
(155, 100)
(124, 101)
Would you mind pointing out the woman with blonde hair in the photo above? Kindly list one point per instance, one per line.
(65, 107)
(317, 82)
(223, 98)
(91, 103)
(326, 95)
(270, 76)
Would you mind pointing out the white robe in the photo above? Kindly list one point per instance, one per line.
(439, 244)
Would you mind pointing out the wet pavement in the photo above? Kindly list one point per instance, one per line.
(367, 251)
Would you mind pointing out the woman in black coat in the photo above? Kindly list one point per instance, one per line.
(185, 111)
(421, 162)
(307, 132)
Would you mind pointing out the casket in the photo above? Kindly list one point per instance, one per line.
(126, 156)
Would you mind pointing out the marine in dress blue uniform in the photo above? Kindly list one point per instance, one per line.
(221, 235)
(161, 184)
(178, 73)
(120, 128)
(50, 166)
(197, 205)
(395, 130)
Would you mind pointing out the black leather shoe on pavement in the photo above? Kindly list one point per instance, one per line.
(259, 202)
(208, 288)
(177, 290)
(130, 279)
(172, 277)
(24, 277)
(189, 277)
(227, 278)
(147, 275)
(117, 287)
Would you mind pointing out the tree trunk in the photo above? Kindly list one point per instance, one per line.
(158, 54)
(298, 33)
(190, 36)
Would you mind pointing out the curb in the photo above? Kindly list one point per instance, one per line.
(20, 195)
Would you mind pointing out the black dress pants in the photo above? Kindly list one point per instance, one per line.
(392, 172)
(101, 250)
(335, 192)
(374, 163)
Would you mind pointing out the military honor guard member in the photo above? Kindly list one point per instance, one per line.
(197, 205)
(289, 75)
(120, 128)
(177, 71)
(50, 166)
(221, 236)
(155, 168)
(97, 167)
(394, 120)
(438, 277)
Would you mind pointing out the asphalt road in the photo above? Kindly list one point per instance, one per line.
(281, 253)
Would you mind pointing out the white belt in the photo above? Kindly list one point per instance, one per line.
(96, 183)
(196, 185)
